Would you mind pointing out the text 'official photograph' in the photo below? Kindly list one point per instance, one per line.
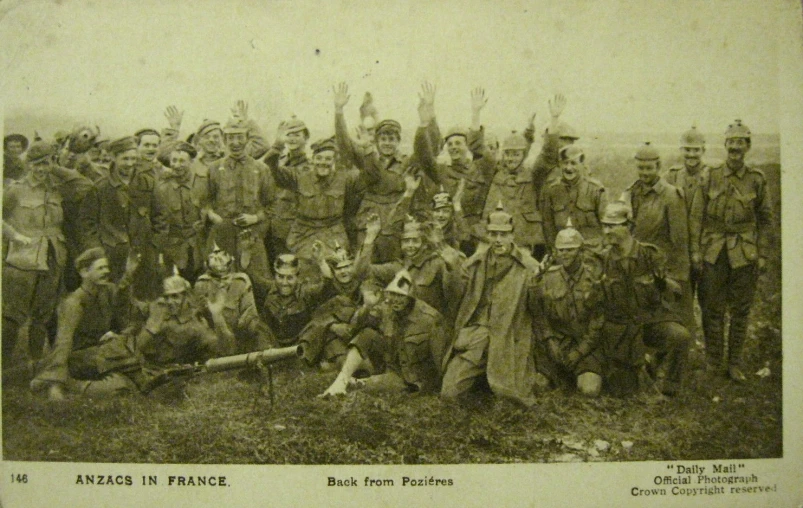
(316, 234)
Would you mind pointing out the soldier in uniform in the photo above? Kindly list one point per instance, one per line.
(558, 136)
(731, 218)
(495, 320)
(398, 339)
(575, 197)
(322, 194)
(239, 307)
(571, 312)
(636, 289)
(241, 193)
(383, 170)
(179, 214)
(15, 145)
(106, 214)
(34, 248)
(436, 278)
(294, 159)
(84, 317)
(659, 213)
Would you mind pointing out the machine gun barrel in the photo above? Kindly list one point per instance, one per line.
(266, 356)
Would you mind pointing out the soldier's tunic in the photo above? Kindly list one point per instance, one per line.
(382, 183)
(571, 313)
(636, 314)
(730, 220)
(179, 218)
(243, 186)
(141, 190)
(84, 316)
(32, 273)
(320, 204)
(455, 231)
(582, 200)
(494, 326)
(404, 347)
(284, 206)
(239, 311)
(684, 179)
(107, 220)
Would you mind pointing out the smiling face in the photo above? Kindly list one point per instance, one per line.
(616, 235)
(411, 246)
(737, 148)
(14, 147)
(344, 274)
(571, 168)
(501, 242)
(235, 142)
(125, 162)
(148, 146)
(180, 163)
(219, 262)
(324, 163)
(648, 171)
(296, 140)
(286, 281)
(442, 216)
(396, 302)
(567, 256)
(387, 142)
(692, 155)
(97, 272)
(212, 141)
(512, 159)
(456, 147)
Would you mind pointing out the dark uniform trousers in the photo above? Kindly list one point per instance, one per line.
(725, 287)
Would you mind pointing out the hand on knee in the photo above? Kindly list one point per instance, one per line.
(589, 384)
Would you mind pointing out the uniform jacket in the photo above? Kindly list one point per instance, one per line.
(36, 210)
(284, 206)
(179, 216)
(582, 200)
(238, 186)
(107, 214)
(680, 177)
(732, 211)
(659, 212)
(239, 308)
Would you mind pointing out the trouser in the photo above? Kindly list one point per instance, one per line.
(469, 361)
(724, 288)
(28, 294)
(247, 247)
(671, 340)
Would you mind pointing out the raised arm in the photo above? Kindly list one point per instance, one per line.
(285, 177)
(347, 148)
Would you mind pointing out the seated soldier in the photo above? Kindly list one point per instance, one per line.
(400, 338)
(239, 308)
(174, 333)
(84, 316)
(571, 315)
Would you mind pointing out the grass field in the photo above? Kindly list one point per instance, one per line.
(219, 419)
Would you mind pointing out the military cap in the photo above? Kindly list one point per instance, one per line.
(568, 237)
(515, 142)
(121, 145)
(16, 137)
(83, 138)
(208, 125)
(175, 284)
(401, 284)
(235, 126)
(168, 148)
(40, 150)
(388, 126)
(146, 132)
(295, 125)
(441, 200)
(499, 219)
(692, 138)
(324, 145)
(571, 152)
(737, 130)
(616, 213)
(89, 256)
(341, 257)
(456, 131)
(412, 228)
(647, 152)
(286, 262)
(564, 130)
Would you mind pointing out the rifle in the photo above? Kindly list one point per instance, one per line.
(258, 360)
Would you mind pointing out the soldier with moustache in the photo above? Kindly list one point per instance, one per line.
(731, 217)
(397, 339)
(34, 246)
(576, 197)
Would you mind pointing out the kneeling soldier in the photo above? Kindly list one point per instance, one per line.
(399, 337)
(570, 298)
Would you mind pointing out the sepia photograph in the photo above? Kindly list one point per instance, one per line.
(456, 252)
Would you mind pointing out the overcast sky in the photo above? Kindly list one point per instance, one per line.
(652, 66)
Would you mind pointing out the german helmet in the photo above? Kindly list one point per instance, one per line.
(499, 219)
(515, 142)
(737, 130)
(692, 138)
(441, 200)
(617, 213)
(341, 257)
(647, 152)
(568, 237)
(412, 228)
(401, 284)
(175, 284)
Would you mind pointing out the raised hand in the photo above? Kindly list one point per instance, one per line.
(174, 117)
(341, 93)
(427, 94)
(281, 133)
(240, 110)
(557, 105)
(411, 183)
(457, 199)
(478, 99)
(373, 226)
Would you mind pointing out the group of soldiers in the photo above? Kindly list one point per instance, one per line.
(469, 264)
